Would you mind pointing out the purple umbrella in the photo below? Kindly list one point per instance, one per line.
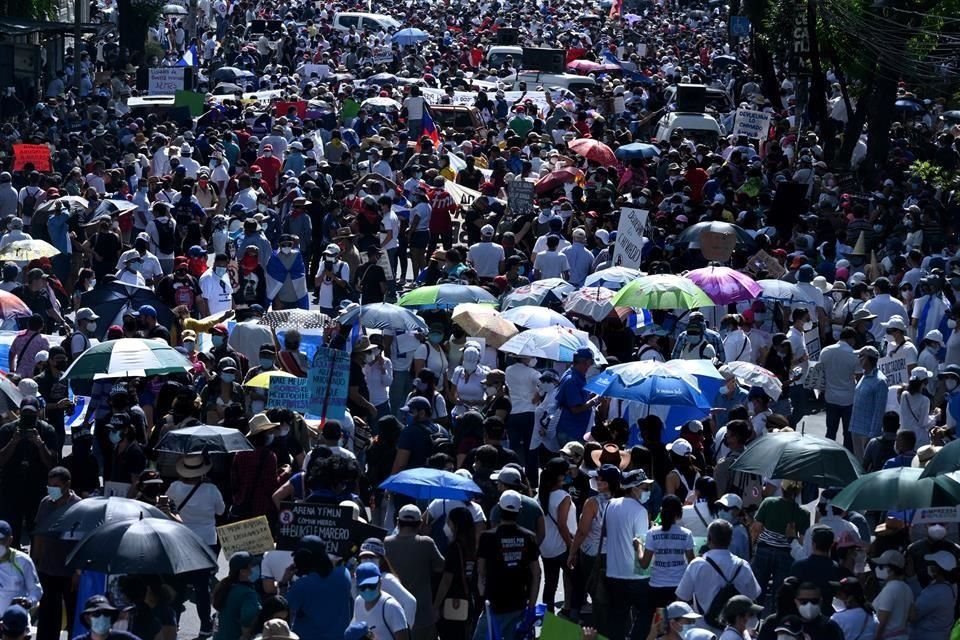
(725, 285)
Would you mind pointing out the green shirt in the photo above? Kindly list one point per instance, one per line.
(239, 611)
(529, 516)
(776, 514)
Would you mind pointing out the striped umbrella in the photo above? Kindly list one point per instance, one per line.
(115, 357)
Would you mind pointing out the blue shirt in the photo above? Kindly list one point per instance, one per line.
(869, 405)
(321, 607)
(580, 260)
(571, 393)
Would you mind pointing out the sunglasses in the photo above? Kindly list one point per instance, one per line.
(808, 600)
(367, 587)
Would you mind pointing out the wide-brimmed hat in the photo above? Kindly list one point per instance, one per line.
(194, 465)
(260, 423)
(99, 604)
(344, 233)
(277, 629)
(611, 454)
(363, 344)
(863, 314)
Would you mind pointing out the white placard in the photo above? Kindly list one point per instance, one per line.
(894, 367)
(936, 515)
(752, 124)
(165, 81)
(627, 252)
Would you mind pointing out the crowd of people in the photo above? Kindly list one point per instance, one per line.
(327, 177)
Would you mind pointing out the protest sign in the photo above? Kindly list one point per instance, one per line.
(763, 262)
(557, 628)
(165, 81)
(630, 237)
(327, 379)
(740, 26)
(252, 536)
(116, 489)
(281, 108)
(717, 246)
(893, 364)
(290, 393)
(307, 71)
(520, 196)
(934, 515)
(463, 196)
(752, 124)
(190, 99)
(36, 154)
(331, 523)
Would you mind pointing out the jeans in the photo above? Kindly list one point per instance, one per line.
(399, 390)
(506, 622)
(57, 592)
(551, 578)
(835, 415)
(628, 603)
(770, 563)
(520, 432)
(800, 399)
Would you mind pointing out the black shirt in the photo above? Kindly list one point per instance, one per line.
(128, 463)
(821, 571)
(370, 277)
(508, 552)
(357, 379)
(25, 471)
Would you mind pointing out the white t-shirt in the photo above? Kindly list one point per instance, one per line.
(275, 563)
(385, 619)
(390, 223)
(340, 269)
(522, 382)
(856, 624)
(414, 107)
(691, 520)
(553, 544)
(669, 554)
(486, 258)
(391, 585)
(201, 511)
(437, 508)
(896, 597)
(551, 264)
(217, 291)
(626, 519)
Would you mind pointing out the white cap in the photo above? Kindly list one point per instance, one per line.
(602, 235)
(730, 501)
(896, 322)
(934, 335)
(410, 513)
(920, 373)
(510, 501)
(579, 235)
(487, 231)
(695, 426)
(332, 250)
(943, 559)
(680, 447)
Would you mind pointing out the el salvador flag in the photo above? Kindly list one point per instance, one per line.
(189, 58)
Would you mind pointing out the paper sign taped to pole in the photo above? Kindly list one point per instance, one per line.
(627, 252)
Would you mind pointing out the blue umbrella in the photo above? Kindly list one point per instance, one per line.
(910, 106)
(708, 378)
(429, 484)
(409, 36)
(637, 150)
(383, 315)
(651, 383)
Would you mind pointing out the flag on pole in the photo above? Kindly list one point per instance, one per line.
(429, 128)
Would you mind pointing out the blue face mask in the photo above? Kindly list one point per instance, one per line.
(266, 363)
(217, 340)
(370, 595)
(116, 437)
(228, 377)
(100, 625)
(522, 271)
(55, 493)
(410, 420)
(436, 338)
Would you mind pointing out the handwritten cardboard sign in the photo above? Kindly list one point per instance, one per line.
(252, 536)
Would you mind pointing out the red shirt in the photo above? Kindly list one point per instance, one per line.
(270, 169)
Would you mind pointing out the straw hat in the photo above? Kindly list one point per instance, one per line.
(260, 423)
(194, 465)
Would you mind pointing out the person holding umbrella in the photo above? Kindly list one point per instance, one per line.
(236, 598)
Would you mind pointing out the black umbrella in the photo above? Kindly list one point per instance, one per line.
(204, 437)
(227, 88)
(88, 515)
(111, 299)
(143, 547)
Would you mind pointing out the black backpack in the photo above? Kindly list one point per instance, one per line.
(166, 238)
(440, 441)
(30, 203)
(714, 615)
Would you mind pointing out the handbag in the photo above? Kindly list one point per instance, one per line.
(458, 609)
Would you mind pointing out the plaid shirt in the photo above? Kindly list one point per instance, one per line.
(710, 337)
(254, 478)
(869, 404)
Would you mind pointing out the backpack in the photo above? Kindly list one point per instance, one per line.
(166, 239)
(440, 441)
(29, 203)
(65, 344)
(713, 615)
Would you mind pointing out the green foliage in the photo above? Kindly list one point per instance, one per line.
(31, 9)
(935, 175)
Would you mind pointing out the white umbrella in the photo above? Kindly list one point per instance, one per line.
(590, 302)
(551, 343)
(614, 278)
(382, 103)
(532, 317)
(752, 375)
(782, 291)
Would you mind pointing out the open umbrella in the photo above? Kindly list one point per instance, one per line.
(382, 78)
(796, 456)
(11, 390)
(383, 315)
(637, 150)
(445, 296)
(112, 299)
(782, 291)
(13, 307)
(708, 378)
(381, 104)
(944, 461)
(589, 66)
(551, 343)
(410, 35)
(691, 235)
(753, 375)
(431, 484)
(556, 179)
(72, 203)
(173, 10)
(204, 437)
(26, 250)
(593, 150)
(649, 382)
(484, 321)
(614, 278)
(725, 285)
(226, 89)
(541, 292)
(534, 317)
(723, 61)
(150, 546)
(590, 302)
(295, 319)
(89, 514)
(262, 380)
(112, 208)
(897, 489)
(153, 357)
(662, 291)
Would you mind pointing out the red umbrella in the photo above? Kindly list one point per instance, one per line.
(557, 178)
(593, 150)
(12, 307)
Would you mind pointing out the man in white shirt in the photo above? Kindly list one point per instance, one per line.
(883, 305)
(706, 575)
(551, 263)
(736, 344)
(216, 291)
(150, 268)
(840, 366)
(796, 335)
(523, 381)
(486, 256)
(332, 272)
(188, 163)
(626, 521)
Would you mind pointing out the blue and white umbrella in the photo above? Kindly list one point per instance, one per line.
(552, 343)
(383, 315)
(637, 150)
(708, 378)
(533, 317)
(782, 291)
(431, 484)
(410, 35)
(614, 278)
(649, 382)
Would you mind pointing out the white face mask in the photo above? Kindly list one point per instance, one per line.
(807, 326)
(882, 573)
(752, 623)
(644, 497)
(369, 357)
(492, 389)
(937, 532)
(952, 323)
(286, 250)
(809, 611)
(545, 388)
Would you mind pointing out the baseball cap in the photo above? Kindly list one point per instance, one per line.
(15, 621)
(410, 513)
(730, 501)
(890, 557)
(634, 478)
(583, 353)
(147, 310)
(30, 405)
(86, 313)
(372, 546)
(510, 501)
(240, 560)
(5, 529)
(486, 231)
(943, 559)
(792, 625)
(508, 476)
(356, 631)
(680, 446)
(367, 573)
(680, 609)
(417, 403)
(868, 351)
(739, 605)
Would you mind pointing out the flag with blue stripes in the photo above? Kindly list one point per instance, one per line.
(189, 58)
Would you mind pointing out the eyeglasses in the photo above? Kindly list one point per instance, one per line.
(808, 600)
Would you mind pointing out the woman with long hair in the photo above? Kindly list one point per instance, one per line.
(235, 597)
(698, 515)
(456, 599)
(560, 523)
(684, 475)
(665, 546)
(915, 406)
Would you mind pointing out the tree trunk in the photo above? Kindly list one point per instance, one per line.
(817, 98)
(132, 28)
(763, 64)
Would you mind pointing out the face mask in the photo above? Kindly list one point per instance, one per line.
(286, 250)
(436, 338)
(220, 271)
(100, 625)
(685, 629)
(93, 283)
(807, 326)
(228, 377)
(255, 575)
(545, 388)
(530, 362)
(3, 550)
(269, 439)
(190, 346)
(882, 573)
(492, 390)
(369, 358)
(644, 497)
(838, 605)
(951, 384)
(724, 514)
(752, 623)
(92, 327)
(55, 493)
(936, 531)
(266, 363)
(116, 437)
(217, 340)
(809, 611)
(370, 595)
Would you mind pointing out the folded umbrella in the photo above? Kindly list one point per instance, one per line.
(899, 489)
(204, 437)
(796, 456)
(151, 546)
(431, 484)
(534, 317)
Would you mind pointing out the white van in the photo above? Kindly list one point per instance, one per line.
(569, 81)
(343, 20)
(700, 127)
(497, 54)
